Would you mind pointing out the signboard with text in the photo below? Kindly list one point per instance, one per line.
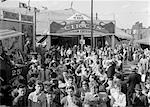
(16, 16)
(82, 27)
(10, 15)
(27, 18)
(78, 16)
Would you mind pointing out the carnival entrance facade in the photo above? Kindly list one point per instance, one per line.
(73, 26)
(80, 30)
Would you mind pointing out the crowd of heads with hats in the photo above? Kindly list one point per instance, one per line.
(60, 70)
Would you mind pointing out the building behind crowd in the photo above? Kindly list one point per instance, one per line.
(141, 35)
(48, 25)
(140, 32)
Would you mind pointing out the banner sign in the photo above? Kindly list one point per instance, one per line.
(83, 26)
(78, 16)
(27, 18)
(10, 15)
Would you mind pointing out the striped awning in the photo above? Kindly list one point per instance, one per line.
(5, 33)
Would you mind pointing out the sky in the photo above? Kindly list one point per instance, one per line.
(125, 12)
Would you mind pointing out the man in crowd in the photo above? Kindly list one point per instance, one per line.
(38, 97)
(133, 79)
(138, 98)
(71, 100)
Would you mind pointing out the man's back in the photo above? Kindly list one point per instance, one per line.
(111, 71)
(133, 79)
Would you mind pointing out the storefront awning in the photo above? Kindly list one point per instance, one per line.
(5, 33)
(145, 41)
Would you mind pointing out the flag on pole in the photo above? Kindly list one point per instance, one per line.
(3, 0)
(22, 5)
(37, 10)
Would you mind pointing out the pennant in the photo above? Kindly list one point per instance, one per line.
(37, 10)
(3, 0)
(22, 5)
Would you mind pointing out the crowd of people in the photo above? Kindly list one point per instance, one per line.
(71, 77)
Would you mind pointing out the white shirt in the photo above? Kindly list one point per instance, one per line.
(120, 99)
(34, 97)
(70, 102)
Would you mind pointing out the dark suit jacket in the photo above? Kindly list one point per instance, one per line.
(141, 101)
(111, 71)
(133, 79)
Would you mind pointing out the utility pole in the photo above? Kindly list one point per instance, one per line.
(96, 38)
(92, 24)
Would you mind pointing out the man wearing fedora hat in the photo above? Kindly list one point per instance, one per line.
(133, 79)
(138, 98)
